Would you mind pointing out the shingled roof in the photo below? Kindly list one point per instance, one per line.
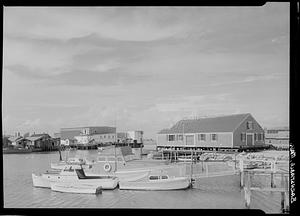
(209, 124)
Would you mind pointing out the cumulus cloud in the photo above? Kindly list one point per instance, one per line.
(149, 66)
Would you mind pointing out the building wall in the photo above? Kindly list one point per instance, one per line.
(135, 135)
(104, 138)
(223, 140)
(242, 128)
(274, 141)
(69, 133)
(98, 130)
(98, 138)
(277, 133)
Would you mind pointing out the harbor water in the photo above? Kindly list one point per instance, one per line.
(217, 193)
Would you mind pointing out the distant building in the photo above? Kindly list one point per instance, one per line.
(6, 141)
(17, 141)
(56, 135)
(96, 139)
(121, 137)
(41, 141)
(88, 135)
(223, 132)
(135, 136)
(279, 137)
(68, 142)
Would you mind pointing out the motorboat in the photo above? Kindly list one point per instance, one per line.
(74, 174)
(72, 161)
(75, 188)
(156, 182)
(187, 158)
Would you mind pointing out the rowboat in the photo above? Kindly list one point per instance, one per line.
(75, 188)
(156, 182)
(74, 174)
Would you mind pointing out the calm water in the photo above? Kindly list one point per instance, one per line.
(213, 193)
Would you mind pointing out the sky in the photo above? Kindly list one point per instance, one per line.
(143, 68)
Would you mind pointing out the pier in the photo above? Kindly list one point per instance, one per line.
(247, 176)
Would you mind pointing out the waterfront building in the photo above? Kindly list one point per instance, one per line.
(101, 138)
(135, 136)
(42, 141)
(67, 142)
(278, 137)
(121, 137)
(17, 141)
(237, 131)
(6, 142)
(87, 136)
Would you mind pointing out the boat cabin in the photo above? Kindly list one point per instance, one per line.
(158, 177)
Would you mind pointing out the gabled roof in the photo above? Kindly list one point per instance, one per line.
(38, 135)
(15, 139)
(209, 124)
(34, 138)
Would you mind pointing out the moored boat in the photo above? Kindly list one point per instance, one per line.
(72, 161)
(156, 182)
(74, 175)
(187, 158)
(75, 188)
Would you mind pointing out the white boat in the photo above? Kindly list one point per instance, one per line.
(156, 182)
(75, 188)
(74, 174)
(72, 161)
(185, 158)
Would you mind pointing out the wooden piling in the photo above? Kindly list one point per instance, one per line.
(247, 191)
(191, 172)
(286, 194)
(282, 194)
(241, 173)
(272, 180)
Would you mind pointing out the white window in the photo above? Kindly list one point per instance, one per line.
(202, 137)
(171, 137)
(213, 137)
(180, 137)
(259, 137)
(243, 137)
(249, 125)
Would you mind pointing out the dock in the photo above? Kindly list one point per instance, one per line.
(247, 176)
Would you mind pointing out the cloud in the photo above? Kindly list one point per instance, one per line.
(249, 79)
(30, 124)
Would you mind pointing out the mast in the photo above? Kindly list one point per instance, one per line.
(115, 143)
(60, 158)
(115, 158)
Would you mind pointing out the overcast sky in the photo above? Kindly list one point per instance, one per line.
(143, 68)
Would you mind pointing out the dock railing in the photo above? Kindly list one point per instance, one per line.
(247, 175)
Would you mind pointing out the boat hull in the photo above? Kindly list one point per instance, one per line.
(39, 181)
(62, 165)
(168, 184)
(46, 180)
(75, 188)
